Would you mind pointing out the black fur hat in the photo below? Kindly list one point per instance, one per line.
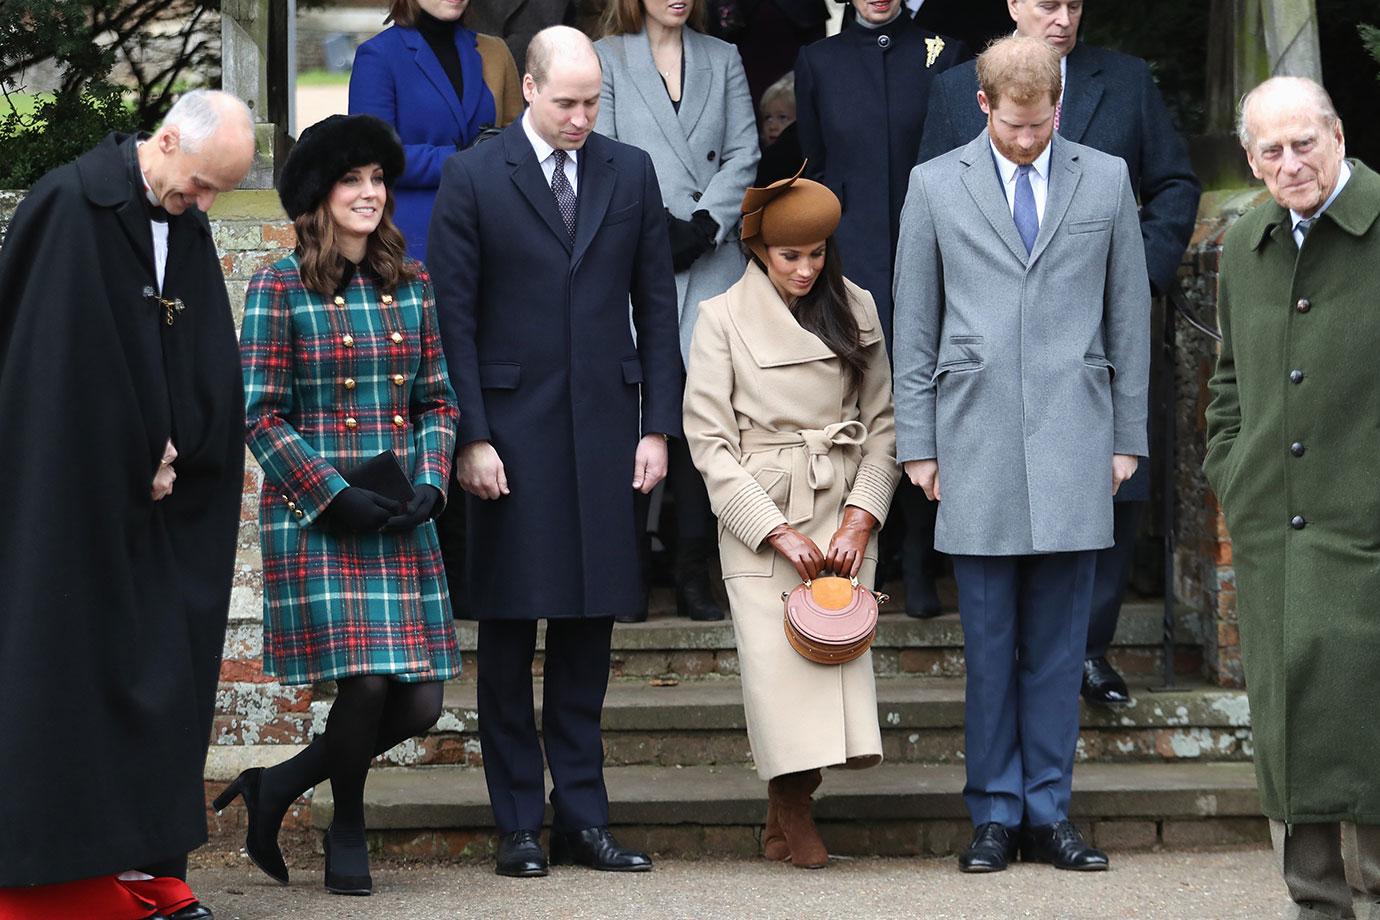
(328, 150)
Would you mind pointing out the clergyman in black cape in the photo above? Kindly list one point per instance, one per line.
(119, 381)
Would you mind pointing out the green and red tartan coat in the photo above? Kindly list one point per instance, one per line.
(329, 383)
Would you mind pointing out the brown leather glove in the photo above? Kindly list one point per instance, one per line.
(798, 549)
(846, 549)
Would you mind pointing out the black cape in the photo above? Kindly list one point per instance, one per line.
(112, 606)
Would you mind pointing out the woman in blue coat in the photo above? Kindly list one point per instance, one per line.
(438, 84)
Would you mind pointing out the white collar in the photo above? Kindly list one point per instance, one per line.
(1008, 169)
(1343, 177)
(542, 148)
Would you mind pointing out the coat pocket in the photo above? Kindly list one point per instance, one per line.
(1099, 225)
(632, 370)
(500, 375)
(735, 557)
(1092, 359)
(622, 214)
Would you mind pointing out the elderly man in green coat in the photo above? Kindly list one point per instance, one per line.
(1294, 456)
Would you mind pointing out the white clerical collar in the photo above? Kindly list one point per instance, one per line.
(542, 148)
(149, 196)
(1343, 177)
(1008, 169)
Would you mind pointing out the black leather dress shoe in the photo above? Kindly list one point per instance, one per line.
(520, 855)
(595, 847)
(1063, 845)
(197, 911)
(993, 847)
(1103, 685)
(640, 617)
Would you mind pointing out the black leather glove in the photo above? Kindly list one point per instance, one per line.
(360, 510)
(425, 503)
(691, 238)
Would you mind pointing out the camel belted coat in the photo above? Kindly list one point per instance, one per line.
(781, 437)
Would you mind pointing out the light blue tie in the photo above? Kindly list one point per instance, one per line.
(1027, 219)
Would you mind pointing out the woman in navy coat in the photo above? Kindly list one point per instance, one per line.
(438, 84)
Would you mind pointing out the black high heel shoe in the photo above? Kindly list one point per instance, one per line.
(261, 840)
(356, 879)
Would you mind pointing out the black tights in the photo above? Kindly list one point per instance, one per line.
(371, 714)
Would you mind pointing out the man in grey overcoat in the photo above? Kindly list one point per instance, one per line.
(1291, 456)
(1022, 358)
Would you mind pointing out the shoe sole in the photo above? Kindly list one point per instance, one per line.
(1049, 862)
(981, 870)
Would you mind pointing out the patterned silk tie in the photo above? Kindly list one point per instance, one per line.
(1058, 113)
(1027, 218)
(565, 195)
(1302, 229)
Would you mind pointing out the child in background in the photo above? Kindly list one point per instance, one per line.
(777, 111)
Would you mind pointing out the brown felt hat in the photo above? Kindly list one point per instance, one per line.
(789, 212)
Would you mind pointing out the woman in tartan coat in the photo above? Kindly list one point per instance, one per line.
(342, 361)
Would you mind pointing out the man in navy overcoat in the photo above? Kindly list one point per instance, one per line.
(539, 240)
(1110, 103)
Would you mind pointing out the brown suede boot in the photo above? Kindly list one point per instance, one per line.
(797, 824)
(773, 841)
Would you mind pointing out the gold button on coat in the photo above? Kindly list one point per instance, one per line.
(351, 423)
(398, 380)
(348, 341)
(387, 299)
(399, 421)
(396, 337)
(339, 301)
(349, 383)
(299, 513)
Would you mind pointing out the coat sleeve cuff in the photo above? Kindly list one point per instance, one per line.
(750, 515)
(873, 488)
(311, 502)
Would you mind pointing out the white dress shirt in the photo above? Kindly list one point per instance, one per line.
(1039, 179)
(1343, 177)
(160, 233)
(545, 155)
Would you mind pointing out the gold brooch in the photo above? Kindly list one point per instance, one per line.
(934, 47)
(170, 307)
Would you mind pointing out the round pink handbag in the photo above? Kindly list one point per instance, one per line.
(831, 620)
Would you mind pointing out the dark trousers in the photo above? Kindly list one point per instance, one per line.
(1113, 574)
(1025, 624)
(575, 678)
(694, 516)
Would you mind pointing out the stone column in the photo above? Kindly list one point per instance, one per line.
(255, 45)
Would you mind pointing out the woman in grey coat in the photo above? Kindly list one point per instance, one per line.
(682, 96)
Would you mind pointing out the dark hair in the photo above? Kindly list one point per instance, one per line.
(624, 17)
(403, 12)
(826, 312)
(319, 257)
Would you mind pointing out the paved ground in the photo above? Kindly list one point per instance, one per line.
(1229, 885)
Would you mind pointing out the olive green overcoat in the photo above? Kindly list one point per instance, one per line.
(1294, 457)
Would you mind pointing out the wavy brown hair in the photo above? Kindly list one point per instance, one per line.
(826, 312)
(319, 257)
(625, 17)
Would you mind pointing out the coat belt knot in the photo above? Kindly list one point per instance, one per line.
(812, 466)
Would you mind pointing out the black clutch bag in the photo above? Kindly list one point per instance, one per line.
(382, 474)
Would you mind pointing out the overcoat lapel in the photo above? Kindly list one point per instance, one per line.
(1081, 96)
(472, 69)
(772, 335)
(653, 91)
(597, 177)
(1064, 175)
(694, 89)
(134, 221)
(531, 181)
(983, 182)
(430, 67)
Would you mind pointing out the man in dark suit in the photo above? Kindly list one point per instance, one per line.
(516, 21)
(1110, 103)
(860, 102)
(540, 239)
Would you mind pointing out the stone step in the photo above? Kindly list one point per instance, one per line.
(894, 809)
(701, 722)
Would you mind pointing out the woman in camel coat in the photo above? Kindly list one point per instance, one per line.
(788, 416)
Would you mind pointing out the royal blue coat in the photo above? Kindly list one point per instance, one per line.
(398, 78)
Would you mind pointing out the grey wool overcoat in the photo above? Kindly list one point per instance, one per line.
(705, 154)
(1021, 373)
